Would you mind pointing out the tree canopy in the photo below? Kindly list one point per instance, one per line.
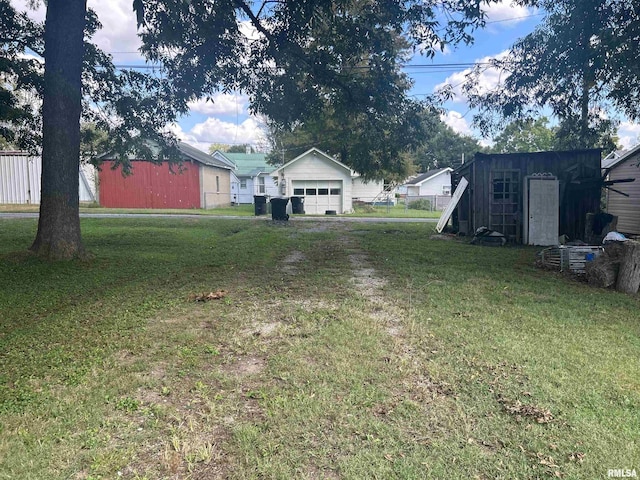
(578, 64)
(525, 135)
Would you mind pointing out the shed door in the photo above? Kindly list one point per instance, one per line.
(542, 210)
(319, 196)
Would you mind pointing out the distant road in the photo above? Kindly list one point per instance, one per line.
(328, 218)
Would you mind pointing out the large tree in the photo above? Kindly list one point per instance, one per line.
(441, 146)
(578, 63)
(525, 135)
(293, 58)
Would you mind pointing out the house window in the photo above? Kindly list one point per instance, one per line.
(298, 191)
(217, 184)
(311, 191)
(261, 186)
(323, 191)
(446, 189)
(243, 183)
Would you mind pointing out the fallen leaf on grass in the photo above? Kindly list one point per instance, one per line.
(540, 415)
(577, 457)
(205, 297)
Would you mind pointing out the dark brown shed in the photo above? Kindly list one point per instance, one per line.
(493, 198)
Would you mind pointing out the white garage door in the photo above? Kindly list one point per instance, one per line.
(319, 196)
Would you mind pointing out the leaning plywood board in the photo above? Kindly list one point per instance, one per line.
(452, 204)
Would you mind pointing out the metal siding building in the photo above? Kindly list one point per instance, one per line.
(201, 182)
(19, 178)
(150, 186)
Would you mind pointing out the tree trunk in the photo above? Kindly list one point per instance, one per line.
(58, 234)
(629, 276)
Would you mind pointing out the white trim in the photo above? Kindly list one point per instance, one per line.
(629, 153)
(276, 172)
(444, 170)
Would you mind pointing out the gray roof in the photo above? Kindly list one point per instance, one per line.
(200, 156)
(191, 153)
(425, 176)
(616, 158)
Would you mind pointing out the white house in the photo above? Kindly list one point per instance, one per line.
(433, 182)
(325, 183)
(250, 175)
(623, 196)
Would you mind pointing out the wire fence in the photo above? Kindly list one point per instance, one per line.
(425, 202)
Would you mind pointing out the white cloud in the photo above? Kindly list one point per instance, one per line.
(119, 29)
(38, 14)
(457, 122)
(629, 134)
(506, 13)
(214, 130)
(488, 80)
(220, 104)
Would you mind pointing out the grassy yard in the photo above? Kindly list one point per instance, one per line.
(336, 351)
(393, 211)
(238, 210)
(396, 211)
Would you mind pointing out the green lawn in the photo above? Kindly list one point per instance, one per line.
(395, 211)
(337, 351)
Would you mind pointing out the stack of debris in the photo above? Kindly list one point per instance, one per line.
(618, 266)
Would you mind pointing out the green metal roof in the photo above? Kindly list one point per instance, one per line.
(249, 164)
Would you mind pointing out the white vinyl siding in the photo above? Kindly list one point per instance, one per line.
(315, 173)
(627, 209)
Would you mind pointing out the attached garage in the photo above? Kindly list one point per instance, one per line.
(319, 196)
(324, 182)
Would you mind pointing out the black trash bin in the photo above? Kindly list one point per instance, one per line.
(279, 209)
(297, 205)
(260, 204)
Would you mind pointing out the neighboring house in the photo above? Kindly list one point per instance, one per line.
(250, 175)
(201, 182)
(626, 208)
(433, 182)
(20, 176)
(325, 183)
(494, 196)
(612, 158)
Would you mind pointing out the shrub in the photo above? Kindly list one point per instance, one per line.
(421, 204)
(365, 208)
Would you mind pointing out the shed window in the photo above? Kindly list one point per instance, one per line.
(298, 191)
(501, 189)
(311, 191)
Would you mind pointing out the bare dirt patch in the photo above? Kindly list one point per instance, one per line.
(245, 366)
(262, 329)
(291, 261)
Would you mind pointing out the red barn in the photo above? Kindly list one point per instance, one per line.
(203, 182)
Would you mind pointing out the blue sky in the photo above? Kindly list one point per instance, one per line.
(227, 119)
